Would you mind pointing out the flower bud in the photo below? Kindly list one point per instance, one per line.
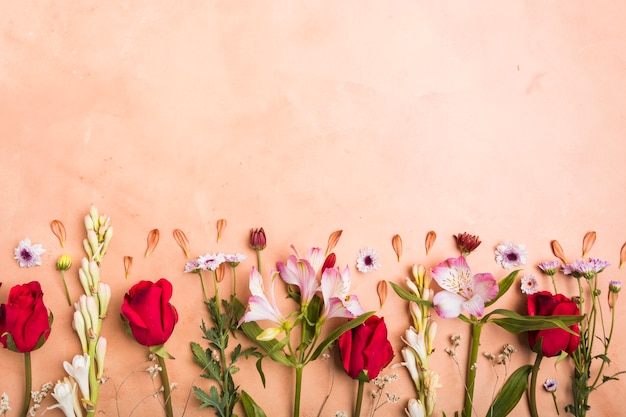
(415, 408)
(431, 332)
(101, 349)
(410, 363)
(614, 288)
(64, 263)
(79, 326)
(416, 314)
(104, 297)
(258, 240)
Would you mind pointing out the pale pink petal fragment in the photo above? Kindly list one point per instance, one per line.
(448, 304)
(153, 240)
(396, 242)
(588, 241)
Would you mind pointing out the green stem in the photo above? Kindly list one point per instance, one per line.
(67, 291)
(234, 281)
(258, 260)
(532, 393)
(167, 394)
(359, 399)
(554, 284)
(477, 327)
(206, 297)
(215, 285)
(93, 380)
(28, 384)
(296, 401)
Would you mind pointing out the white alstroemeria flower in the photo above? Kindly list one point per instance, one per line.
(337, 301)
(300, 273)
(462, 290)
(64, 392)
(262, 308)
(79, 370)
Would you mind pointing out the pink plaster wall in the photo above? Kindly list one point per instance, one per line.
(502, 119)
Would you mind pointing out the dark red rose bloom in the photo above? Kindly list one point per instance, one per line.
(365, 349)
(554, 341)
(24, 321)
(148, 312)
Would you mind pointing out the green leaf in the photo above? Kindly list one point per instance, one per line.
(409, 296)
(199, 355)
(210, 400)
(250, 407)
(503, 286)
(511, 392)
(334, 335)
(516, 323)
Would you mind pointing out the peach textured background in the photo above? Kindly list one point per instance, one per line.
(502, 119)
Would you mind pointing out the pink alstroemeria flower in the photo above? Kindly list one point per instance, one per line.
(462, 291)
(300, 273)
(337, 302)
(262, 308)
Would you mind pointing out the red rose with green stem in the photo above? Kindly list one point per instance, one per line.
(365, 351)
(25, 326)
(150, 319)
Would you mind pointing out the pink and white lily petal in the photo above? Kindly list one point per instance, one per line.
(337, 302)
(475, 305)
(448, 304)
(259, 306)
(300, 273)
(453, 275)
(486, 286)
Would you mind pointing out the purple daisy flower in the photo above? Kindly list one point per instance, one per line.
(28, 255)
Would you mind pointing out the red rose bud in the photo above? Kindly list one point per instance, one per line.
(24, 320)
(148, 313)
(258, 240)
(365, 349)
(329, 262)
(554, 341)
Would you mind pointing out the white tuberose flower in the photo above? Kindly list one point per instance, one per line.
(64, 392)
(79, 370)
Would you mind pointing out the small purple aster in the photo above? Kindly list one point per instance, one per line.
(367, 260)
(509, 255)
(551, 384)
(28, 255)
(549, 267)
(234, 259)
(587, 269)
(192, 266)
(529, 284)
(211, 261)
(615, 286)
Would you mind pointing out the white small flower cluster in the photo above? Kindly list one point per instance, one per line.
(154, 370)
(4, 404)
(341, 414)
(455, 340)
(38, 397)
(380, 383)
(503, 358)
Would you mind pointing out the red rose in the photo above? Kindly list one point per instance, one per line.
(24, 320)
(543, 303)
(365, 349)
(148, 313)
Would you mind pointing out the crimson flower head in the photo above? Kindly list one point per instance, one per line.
(554, 341)
(258, 241)
(466, 243)
(365, 349)
(147, 312)
(24, 320)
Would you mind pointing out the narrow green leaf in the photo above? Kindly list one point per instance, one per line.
(503, 286)
(516, 323)
(511, 392)
(338, 332)
(250, 407)
(406, 295)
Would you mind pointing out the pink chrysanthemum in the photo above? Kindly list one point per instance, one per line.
(510, 255)
(28, 255)
(529, 284)
(367, 261)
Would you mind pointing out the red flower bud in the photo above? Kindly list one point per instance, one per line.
(258, 241)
